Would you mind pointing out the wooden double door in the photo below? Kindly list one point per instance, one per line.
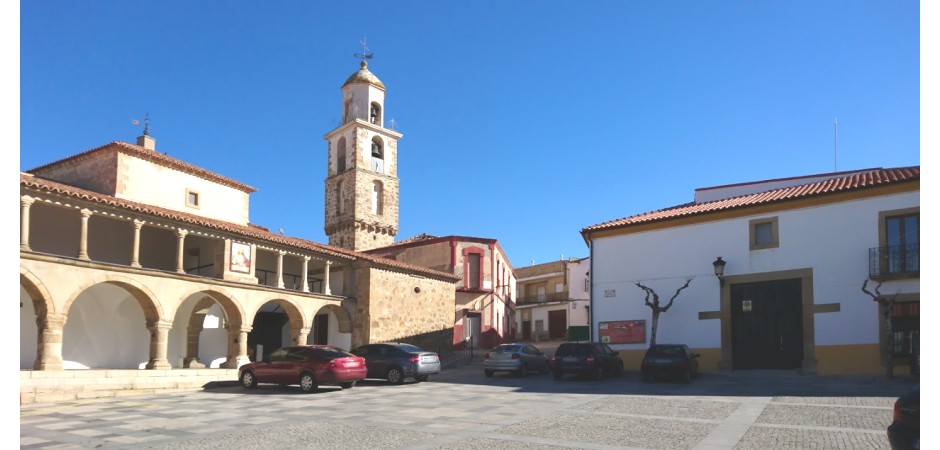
(767, 324)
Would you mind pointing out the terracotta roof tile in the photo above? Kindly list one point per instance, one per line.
(854, 181)
(247, 231)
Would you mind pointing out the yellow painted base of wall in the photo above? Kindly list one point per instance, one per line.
(861, 359)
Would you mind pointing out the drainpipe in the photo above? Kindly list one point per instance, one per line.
(591, 287)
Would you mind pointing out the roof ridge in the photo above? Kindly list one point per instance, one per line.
(853, 180)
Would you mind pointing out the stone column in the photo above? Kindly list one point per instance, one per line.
(238, 347)
(280, 269)
(191, 361)
(159, 337)
(135, 250)
(304, 282)
(49, 355)
(25, 202)
(83, 240)
(180, 240)
(326, 278)
(300, 336)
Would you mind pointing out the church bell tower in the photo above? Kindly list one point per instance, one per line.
(362, 183)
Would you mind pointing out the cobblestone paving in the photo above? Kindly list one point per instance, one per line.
(462, 410)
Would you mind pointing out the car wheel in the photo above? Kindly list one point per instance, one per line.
(687, 376)
(523, 371)
(395, 376)
(645, 376)
(248, 379)
(556, 374)
(599, 373)
(420, 378)
(308, 383)
(347, 384)
(619, 371)
(488, 373)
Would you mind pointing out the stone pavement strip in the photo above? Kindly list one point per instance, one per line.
(461, 409)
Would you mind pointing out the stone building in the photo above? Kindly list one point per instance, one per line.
(133, 260)
(484, 311)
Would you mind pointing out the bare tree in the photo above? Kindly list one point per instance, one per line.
(656, 308)
(888, 305)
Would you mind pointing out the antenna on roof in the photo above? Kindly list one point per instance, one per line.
(835, 167)
(364, 55)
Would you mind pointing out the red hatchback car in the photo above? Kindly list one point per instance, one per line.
(307, 365)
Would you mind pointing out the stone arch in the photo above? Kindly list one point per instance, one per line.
(191, 344)
(343, 319)
(294, 314)
(234, 313)
(42, 301)
(148, 302)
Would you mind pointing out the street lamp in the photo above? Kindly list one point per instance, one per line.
(720, 270)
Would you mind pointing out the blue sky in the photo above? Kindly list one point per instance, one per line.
(523, 121)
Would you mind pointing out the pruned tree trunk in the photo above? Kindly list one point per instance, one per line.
(888, 304)
(654, 306)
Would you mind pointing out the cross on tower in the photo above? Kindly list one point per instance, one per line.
(364, 56)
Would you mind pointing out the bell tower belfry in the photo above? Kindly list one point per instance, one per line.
(362, 182)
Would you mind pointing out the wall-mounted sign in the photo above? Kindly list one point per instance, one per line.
(746, 305)
(622, 332)
(240, 260)
(610, 292)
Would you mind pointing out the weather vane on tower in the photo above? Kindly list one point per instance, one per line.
(364, 55)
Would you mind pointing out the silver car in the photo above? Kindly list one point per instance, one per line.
(395, 361)
(516, 358)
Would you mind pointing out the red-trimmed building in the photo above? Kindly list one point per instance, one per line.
(484, 310)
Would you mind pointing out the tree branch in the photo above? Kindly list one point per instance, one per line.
(668, 305)
(877, 295)
(649, 291)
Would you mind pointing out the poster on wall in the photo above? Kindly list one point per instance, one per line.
(240, 260)
(622, 332)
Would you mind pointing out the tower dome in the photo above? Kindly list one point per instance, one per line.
(364, 76)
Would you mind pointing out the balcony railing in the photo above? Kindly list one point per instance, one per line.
(536, 299)
(291, 281)
(894, 261)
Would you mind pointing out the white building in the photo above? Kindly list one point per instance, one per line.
(797, 252)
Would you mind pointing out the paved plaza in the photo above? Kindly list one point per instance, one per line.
(461, 409)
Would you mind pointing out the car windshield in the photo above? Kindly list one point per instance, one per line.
(667, 350)
(330, 353)
(572, 350)
(507, 348)
(410, 348)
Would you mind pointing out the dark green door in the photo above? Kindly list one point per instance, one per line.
(767, 324)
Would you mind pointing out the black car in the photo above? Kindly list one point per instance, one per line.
(904, 431)
(593, 358)
(669, 360)
(396, 361)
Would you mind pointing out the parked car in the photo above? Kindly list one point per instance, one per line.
(669, 360)
(395, 362)
(516, 358)
(904, 431)
(307, 365)
(594, 358)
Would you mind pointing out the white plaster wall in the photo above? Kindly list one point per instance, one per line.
(216, 201)
(833, 240)
(28, 331)
(335, 338)
(105, 329)
(577, 274)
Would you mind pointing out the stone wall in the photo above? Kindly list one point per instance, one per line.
(403, 308)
